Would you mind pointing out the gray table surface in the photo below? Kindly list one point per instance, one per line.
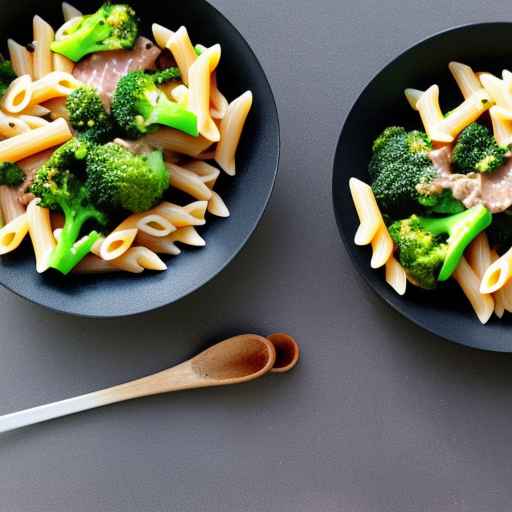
(380, 416)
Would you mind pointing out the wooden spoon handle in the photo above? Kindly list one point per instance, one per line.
(174, 379)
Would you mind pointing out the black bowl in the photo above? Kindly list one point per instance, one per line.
(246, 194)
(446, 312)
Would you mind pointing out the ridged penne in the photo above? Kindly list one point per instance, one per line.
(9, 204)
(61, 63)
(382, 247)
(182, 216)
(496, 90)
(218, 102)
(42, 57)
(501, 124)
(183, 52)
(412, 96)
(368, 211)
(231, 128)
(21, 59)
(57, 108)
(167, 245)
(54, 85)
(161, 34)
(497, 274)
(69, 12)
(466, 79)
(396, 276)
(188, 182)
(483, 304)
(117, 243)
(41, 234)
(199, 82)
(179, 142)
(13, 233)
(501, 301)
(12, 125)
(32, 142)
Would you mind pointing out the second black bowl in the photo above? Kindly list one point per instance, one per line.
(382, 103)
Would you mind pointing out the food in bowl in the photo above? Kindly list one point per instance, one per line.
(439, 204)
(99, 125)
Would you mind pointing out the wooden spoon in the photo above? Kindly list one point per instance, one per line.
(232, 361)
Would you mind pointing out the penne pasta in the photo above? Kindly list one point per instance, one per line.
(412, 96)
(496, 90)
(431, 115)
(161, 34)
(61, 63)
(501, 300)
(33, 121)
(57, 108)
(138, 259)
(41, 234)
(199, 81)
(176, 141)
(9, 204)
(497, 274)
(36, 110)
(183, 216)
(93, 264)
(367, 211)
(396, 276)
(32, 142)
(466, 79)
(218, 102)
(479, 255)
(183, 52)
(11, 126)
(207, 173)
(13, 233)
(21, 59)
(231, 128)
(54, 85)
(382, 247)
(188, 182)
(217, 206)
(470, 284)
(69, 12)
(117, 243)
(167, 245)
(42, 57)
(18, 95)
(501, 125)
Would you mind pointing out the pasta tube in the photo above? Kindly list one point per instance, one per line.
(13, 233)
(501, 125)
(188, 182)
(367, 211)
(396, 276)
(69, 12)
(53, 85)
(176, 141)
(382, 246)
(167, 244)
(10, 206)
(43, 38)
(21, 59)
(183, 216)
(412, 96)
(32, 142)
(18, 95)
(469, 282)
(466, 79)
(183, 52)
(498, 274)
(41, 234)
(231, 128)
(161, 34)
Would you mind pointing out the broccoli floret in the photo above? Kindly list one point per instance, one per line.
(443, 202)
(138, 106)
(165, 75)
(476, 149)
(7, 75)
(400, 168)
(59, 185)
(111, 27)
(11, 174)
(88, 116)
(430, 248)
(119, 179)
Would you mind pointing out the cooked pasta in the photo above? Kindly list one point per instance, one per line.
(496, 90)
(199, 81)
(183, 51)
(41, 234)
(466, 79)
(13, 233)
(42, 57)
(114, 164)
(501, 124)
(382, 246)
(483, 304)
(501, 300)
(18, 95)
(9, 204)
(368, 212)
(498, 274)
(21, 59)
(69, 12)
(396, 276)
(32, 142)
(479, 255)
(231, 128)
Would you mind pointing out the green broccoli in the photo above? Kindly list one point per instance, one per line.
(118, 179)
(138, 106)
(88, 116)
(402, 173)
(111, 27)
(476, 149)
(7, 75)
(165, 75)
(59, 185)
(11, 174)
(430, 248)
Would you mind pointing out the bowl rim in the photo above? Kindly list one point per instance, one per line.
(250, 232)
(348, 243)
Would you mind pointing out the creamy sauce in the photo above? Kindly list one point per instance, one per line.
(493, 189)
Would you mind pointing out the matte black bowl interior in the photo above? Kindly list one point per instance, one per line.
(446, 312)
(246, 194)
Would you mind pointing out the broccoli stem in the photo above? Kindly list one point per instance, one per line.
(173, 115)
(67, 254)
(461, 229)
(83, 41)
